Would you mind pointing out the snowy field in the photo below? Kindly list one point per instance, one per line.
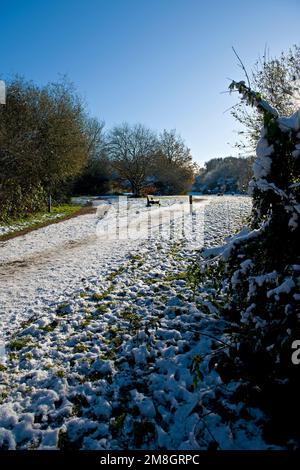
(104, 344)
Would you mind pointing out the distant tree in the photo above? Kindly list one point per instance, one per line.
(96, 138)
(173, 148)
(278, 81)
(229, 174)
(173, 167)
(97, 176)
(131, 150)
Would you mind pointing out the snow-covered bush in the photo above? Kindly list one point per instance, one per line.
(262, 278)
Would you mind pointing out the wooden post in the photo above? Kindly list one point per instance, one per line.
(191, 203)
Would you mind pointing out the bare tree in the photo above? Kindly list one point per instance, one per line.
(96, 140)
(131, 149)
(97, 176)
(173, 167)
(278, 81)
(173, 148)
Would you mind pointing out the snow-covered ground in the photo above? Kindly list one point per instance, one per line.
(42, 267)
(106, 345)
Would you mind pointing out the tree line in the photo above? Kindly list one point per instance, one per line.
(137, 160)
(224, 175)
(49, 145)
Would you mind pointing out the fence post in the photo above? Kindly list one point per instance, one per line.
(191, 203)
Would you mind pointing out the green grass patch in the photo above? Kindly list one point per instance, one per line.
(102, 308)
(85, 322)
(98, 297)
(3, 396)
(175, 277)
(50, 327)
(116, 273)
(80, 348)
(12, 356)
(63, 309)
(28, 356)
(19, 343)
(34, 220)
(130, 316)
(151, 280)
(116, 424)
(60, 374)
(21, 226)
(108, 355)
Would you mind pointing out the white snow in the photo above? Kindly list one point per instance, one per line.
(290, 123)
(285, 287)
(103, 339)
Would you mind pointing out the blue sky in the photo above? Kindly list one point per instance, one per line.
(160, 62)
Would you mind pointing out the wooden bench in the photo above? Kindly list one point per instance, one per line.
(151, 201)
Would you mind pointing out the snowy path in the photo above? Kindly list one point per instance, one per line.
(119, 360)
(43, 267)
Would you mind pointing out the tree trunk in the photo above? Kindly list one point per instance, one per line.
(136, 190)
